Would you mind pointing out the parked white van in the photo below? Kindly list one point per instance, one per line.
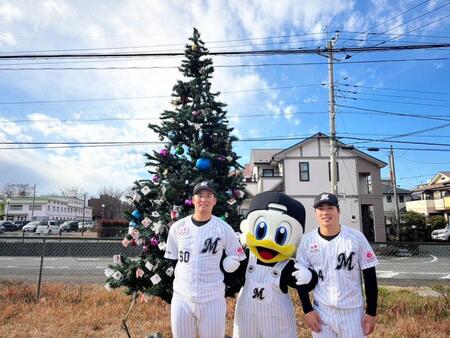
(47, 228)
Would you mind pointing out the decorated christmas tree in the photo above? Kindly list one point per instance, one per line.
(196, 146)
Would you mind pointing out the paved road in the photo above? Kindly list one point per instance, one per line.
(392, 270)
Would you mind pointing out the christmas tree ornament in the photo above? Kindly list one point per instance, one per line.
(164, 152)
(238, 193)
(155, 279)
(155, 214)
(166, 172)
(196, 112)
(231, 201)
(170, 271)
(125, 242)
(161, 138)
(149, 266)
(179, 151)
(174, 214)
(145, 190)
(162, 246)
(117, 275)
(171, 134)
(107, 286)
(127, 199)
(156, 178)
(136, 214)
(109, 272)
(139, 273)
(197, 126)
(229, 193)
(146, 222)
(194, 46)
(136, 197)
(203, 164)
(145, 249)
(154, 241)
(188, 202)
(229, 158)
(221, 158)
(132, 224)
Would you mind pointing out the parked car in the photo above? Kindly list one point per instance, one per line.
(9, 226)
(86, 226)
(30, 227)
(47, 228)
(441, 234)
(21, 224)
(2, 229)
(69, 226)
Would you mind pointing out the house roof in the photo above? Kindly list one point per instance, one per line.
(387, 189)
(280, 155)
(263, 155)
(438, 176)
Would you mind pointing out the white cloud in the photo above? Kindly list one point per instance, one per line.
(9, 13)
(289, 112)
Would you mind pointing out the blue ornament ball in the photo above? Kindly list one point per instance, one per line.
(136, 214)
(133, 224)
(203, 164)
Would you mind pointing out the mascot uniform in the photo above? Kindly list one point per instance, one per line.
(272, 231)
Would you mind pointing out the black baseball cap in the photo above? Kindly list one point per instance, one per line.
(295, 209)
(204, 185)
(325, 197)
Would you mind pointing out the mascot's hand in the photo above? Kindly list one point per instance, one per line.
(302, 274)
(231, 263)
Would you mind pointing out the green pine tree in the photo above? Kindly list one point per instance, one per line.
(197, 146)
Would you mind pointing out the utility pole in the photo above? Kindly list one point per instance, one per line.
(394, 188)
(333, 149)
(84, 210)
(32, 205)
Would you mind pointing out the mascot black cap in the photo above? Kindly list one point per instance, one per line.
(294, 208)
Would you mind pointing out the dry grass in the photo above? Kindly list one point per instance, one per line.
(91, 311)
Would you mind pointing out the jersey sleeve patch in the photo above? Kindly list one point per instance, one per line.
(239, 251)
(369, 256)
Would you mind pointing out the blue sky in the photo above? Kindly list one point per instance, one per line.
(52, 105)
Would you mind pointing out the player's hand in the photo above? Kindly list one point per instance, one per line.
(231, 263)
(302, 274)
(313, 321)
(369, 324)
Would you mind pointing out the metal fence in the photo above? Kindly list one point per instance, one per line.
(83, 260)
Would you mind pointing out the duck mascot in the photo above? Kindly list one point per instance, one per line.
(272, 231)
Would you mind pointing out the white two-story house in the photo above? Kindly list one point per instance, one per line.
(432, 198)
(303, 171)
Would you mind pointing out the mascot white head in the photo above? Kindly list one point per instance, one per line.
(274, 226)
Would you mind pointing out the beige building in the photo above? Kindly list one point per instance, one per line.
(303, 171)
(432, 198)
(389, 202)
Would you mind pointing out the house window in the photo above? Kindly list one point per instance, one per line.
(304, 171)
(401, 199)
(15, 207)
(268, 173)
(329, 171)
(389, 198)
(36, 207)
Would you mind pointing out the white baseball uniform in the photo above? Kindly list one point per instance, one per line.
(338, 295)
(262, 309)
(198, 304)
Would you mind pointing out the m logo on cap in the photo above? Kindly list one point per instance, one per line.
(325, 197)
(204, 184)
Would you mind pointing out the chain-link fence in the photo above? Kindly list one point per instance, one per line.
(83, 260)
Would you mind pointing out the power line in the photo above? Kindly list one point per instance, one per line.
(224, 66)
(391, 101)
(396, 89)
(229, 53)
(396, 96)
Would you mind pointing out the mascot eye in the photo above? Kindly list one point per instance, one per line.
(282, 234)
(260, 229)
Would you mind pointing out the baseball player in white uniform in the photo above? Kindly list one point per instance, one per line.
(197, 243)
(338, 254)
(273, 228)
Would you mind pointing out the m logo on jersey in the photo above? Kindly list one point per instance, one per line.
(345, 262)
(210, 245)
(258, 293)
